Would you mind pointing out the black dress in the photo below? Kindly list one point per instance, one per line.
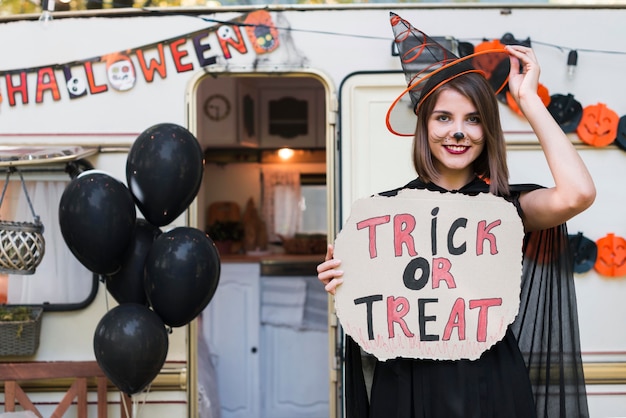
(534, 371)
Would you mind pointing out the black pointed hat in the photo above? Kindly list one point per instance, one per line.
(428, 65)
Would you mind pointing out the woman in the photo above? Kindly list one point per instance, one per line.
(459, 146)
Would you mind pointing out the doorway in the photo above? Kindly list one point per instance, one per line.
(241, 121)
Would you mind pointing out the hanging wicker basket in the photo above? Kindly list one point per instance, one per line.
(22, 245)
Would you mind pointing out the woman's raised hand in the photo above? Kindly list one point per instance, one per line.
(524, 74)
(574, 190)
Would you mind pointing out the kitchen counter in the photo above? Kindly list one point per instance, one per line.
(271, 258)
(279, 264)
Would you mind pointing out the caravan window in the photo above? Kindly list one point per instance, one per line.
(313, 208)
(294, 203)
(59, 282)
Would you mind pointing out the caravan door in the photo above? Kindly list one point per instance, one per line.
(371, 159)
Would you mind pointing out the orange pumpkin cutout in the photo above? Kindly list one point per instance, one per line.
(611, 260)
(542, 92)
(598, 125)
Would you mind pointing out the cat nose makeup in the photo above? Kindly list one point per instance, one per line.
(458, 135)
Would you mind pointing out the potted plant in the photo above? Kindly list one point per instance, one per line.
(20, 327)
(227, 235)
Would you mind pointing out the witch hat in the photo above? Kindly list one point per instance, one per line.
(428, 65)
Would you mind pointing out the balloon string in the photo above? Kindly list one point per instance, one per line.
(145, 397)
(135, 403)
(106, 293)
(123, 397)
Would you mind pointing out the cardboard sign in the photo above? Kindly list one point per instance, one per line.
(429, 275)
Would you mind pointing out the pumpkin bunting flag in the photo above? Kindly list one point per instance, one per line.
(607, 255)
(620, 140)
(596, 125)
(566, 110)
(611, 259)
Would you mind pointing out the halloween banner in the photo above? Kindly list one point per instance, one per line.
(429, 275)
(251, 33)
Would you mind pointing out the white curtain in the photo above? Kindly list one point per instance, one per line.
(208, 394)
(60, 278)
(281, 202)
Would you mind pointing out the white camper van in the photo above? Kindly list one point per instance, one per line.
(80, 88)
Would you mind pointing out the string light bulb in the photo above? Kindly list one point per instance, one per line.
(48, 8)
(572, 61)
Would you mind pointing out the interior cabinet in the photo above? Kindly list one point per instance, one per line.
(295, 383)
(263, 112)
(263, 371)
(289, 118)
(231, 327)
(247, 113)
(217, 112)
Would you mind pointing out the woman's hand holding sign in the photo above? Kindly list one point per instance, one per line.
(328, 273)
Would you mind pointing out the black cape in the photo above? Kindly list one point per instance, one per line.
(536, 370)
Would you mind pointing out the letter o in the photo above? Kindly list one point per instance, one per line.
(408, 277)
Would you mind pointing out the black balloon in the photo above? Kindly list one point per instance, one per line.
(127, 285)
(97, 217)
(182, 274)
(130, 345)
(164, 171)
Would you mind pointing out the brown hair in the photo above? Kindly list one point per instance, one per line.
(491, 164)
